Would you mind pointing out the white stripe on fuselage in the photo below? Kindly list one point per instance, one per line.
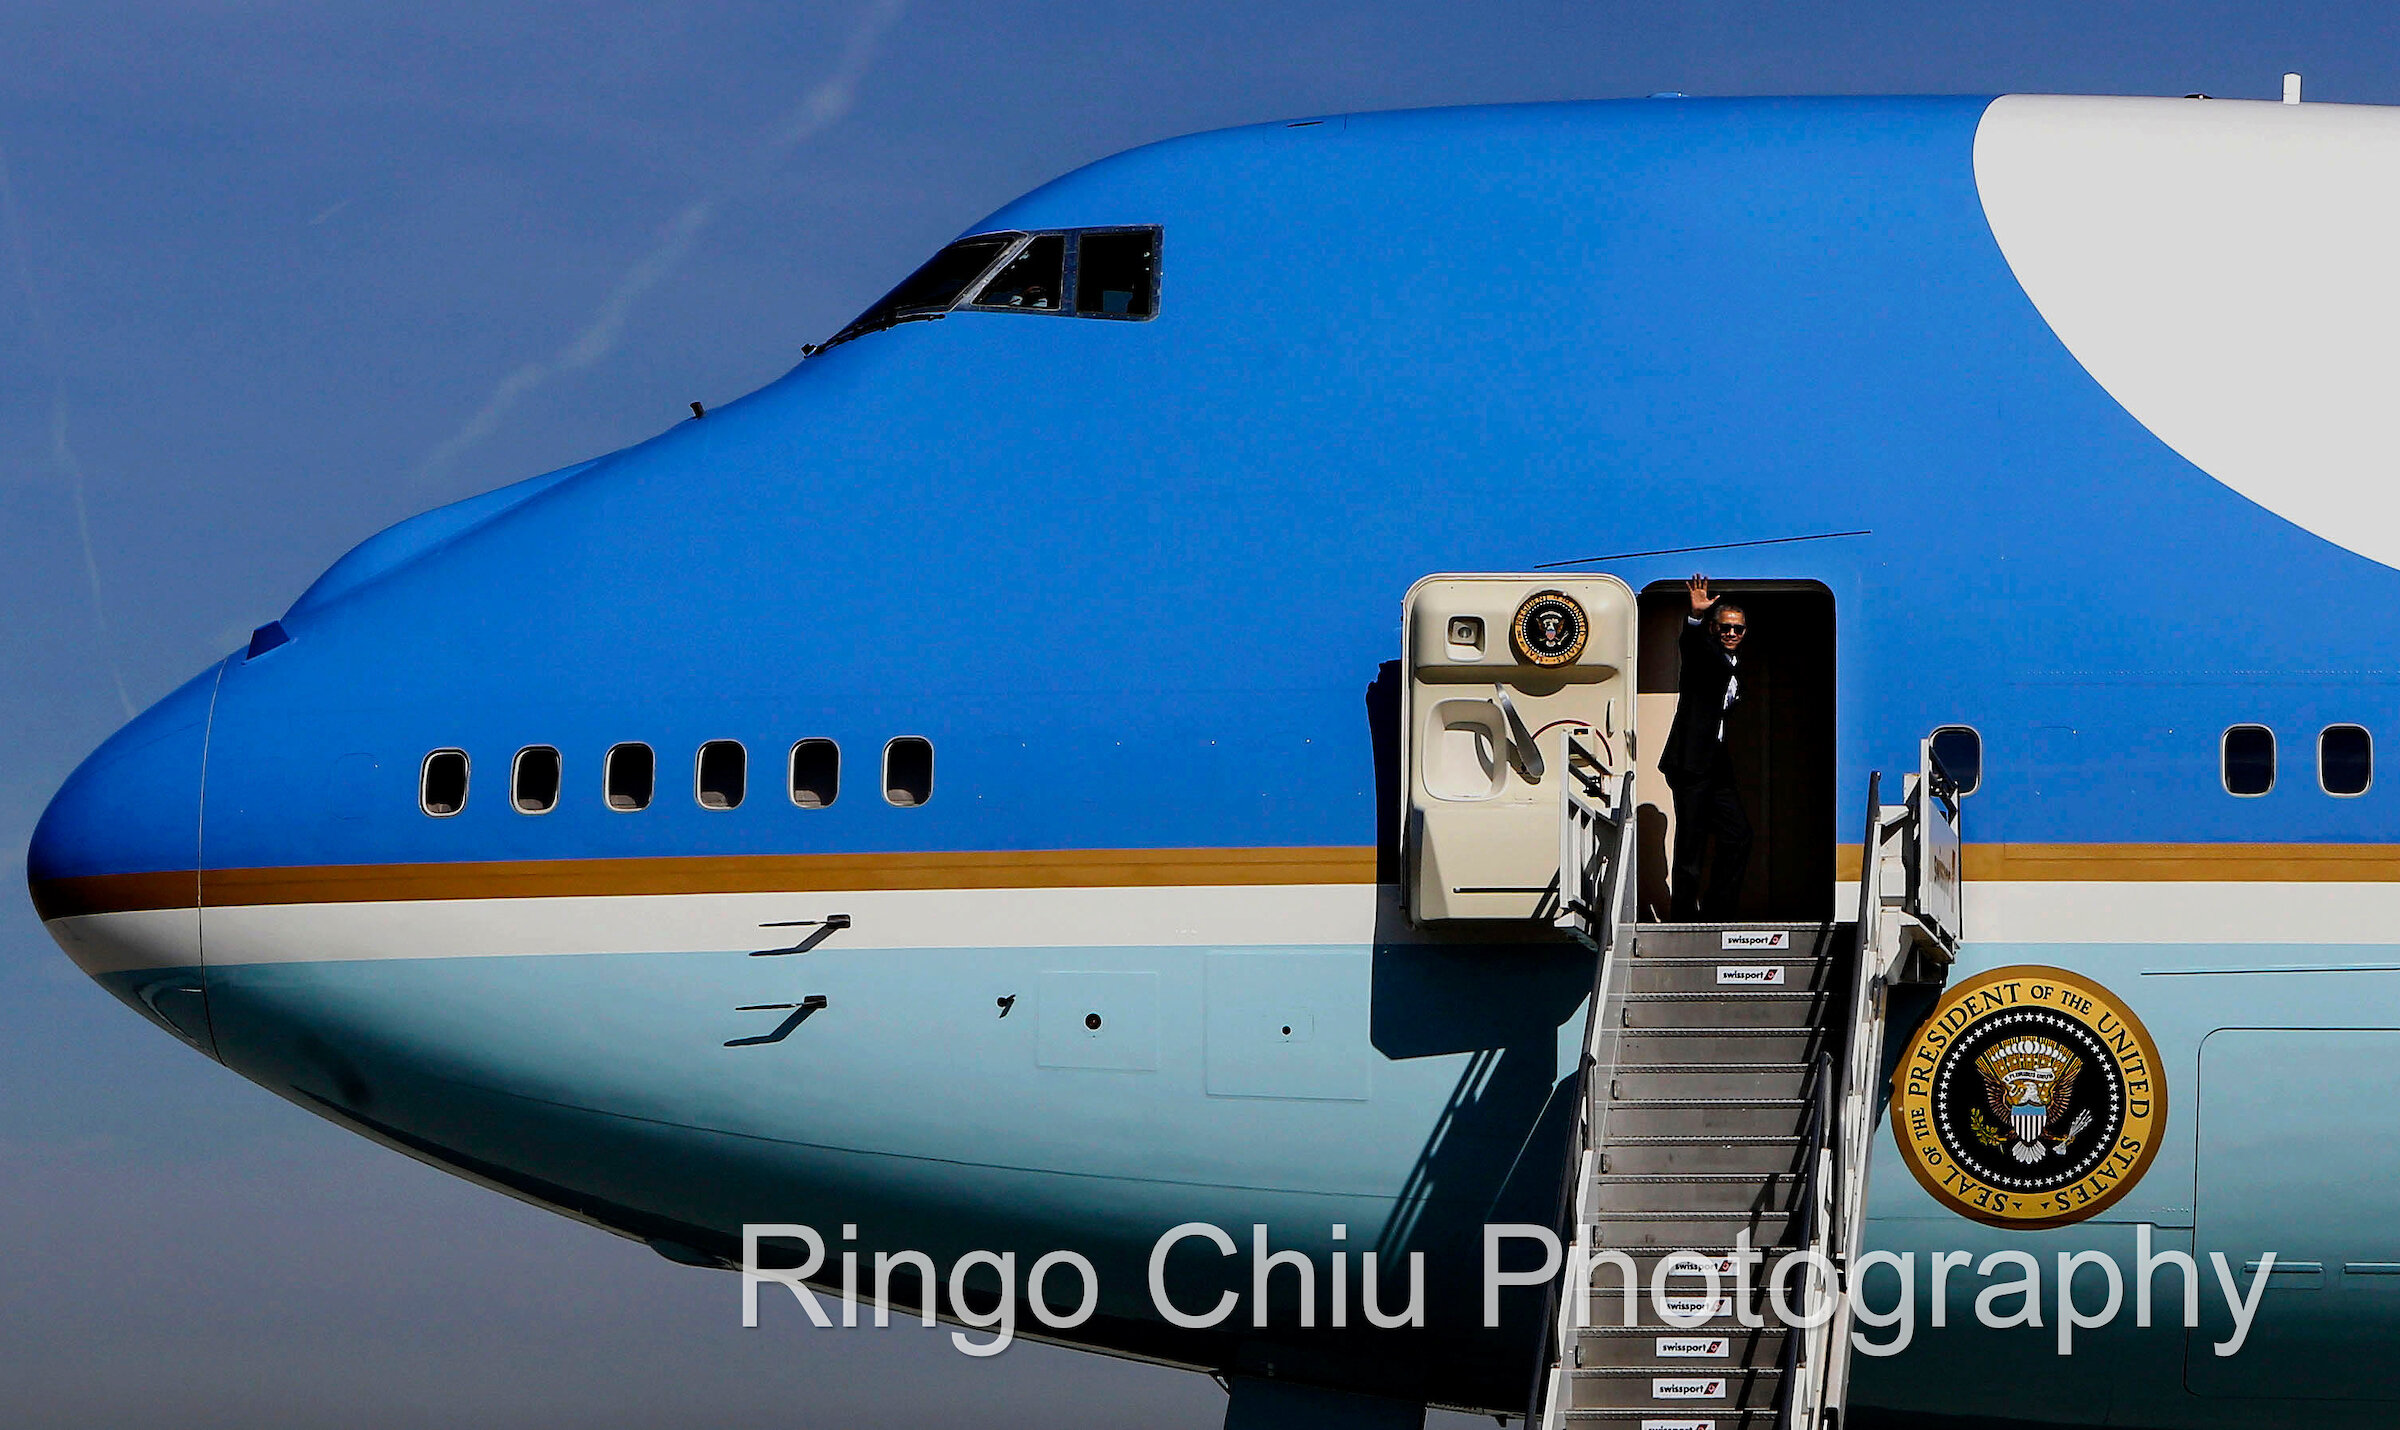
(2047, 912)
(2183, 913)
(1282, 914)
(132, 940)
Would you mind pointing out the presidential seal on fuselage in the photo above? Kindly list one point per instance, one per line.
(2032, 1097)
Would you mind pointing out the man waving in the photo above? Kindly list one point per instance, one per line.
(1699, 769)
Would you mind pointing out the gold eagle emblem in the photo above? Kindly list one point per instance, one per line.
(2029, 1083)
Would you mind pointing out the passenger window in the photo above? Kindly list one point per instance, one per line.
(932, 288)
(2249, 756)
(2345, 760)
(442, 783)
(816, 773)
(1960, 751)
(908, 771)
(1034, 280)
(533, 782)
(721, 773)
(631, 776)
(1116, 273)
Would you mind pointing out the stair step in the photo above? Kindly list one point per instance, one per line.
(1730, 1219)
(1720, 1119)
(1607, 1309)
(1730, 956)
(1695, 940)
(1752, 1387)
(1730, 974)
(1710, 1102)
(1638, 1350)
(1744, 1031)
(1754, 1159)
(1795, 1069)
(1650, 1045)
(1610, 1331)
(1727, 995)
(1646, 1178)
(1789, 1000)
(1722, 1010)
(1693, 1197)
(1711, 926)
(1714, 1248)
(1635, 1232)
(1704, 1082)
(1690, 1214)
(1678, 1139)
(1759, 1419)
(1600, 1372)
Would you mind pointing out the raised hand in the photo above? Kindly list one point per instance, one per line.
(1701, 600)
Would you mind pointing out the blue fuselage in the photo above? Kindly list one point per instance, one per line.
(1132, 581)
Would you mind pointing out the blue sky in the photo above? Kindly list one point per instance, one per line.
(274, 275)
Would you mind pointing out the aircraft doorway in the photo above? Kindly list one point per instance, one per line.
(1781, 744)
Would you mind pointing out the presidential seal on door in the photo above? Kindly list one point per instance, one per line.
(1549, 629)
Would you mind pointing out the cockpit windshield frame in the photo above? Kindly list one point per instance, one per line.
(936, 286)
(1145, 304)
(1060, 294)
(935, 289)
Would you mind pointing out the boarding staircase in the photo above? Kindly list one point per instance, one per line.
(1730, 1090)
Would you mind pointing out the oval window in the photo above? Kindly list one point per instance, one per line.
(442, 783)
(533, 782)
(721, 774)
(1960, 751)
(2249, 760)
(2345, 760)
(908, 771)
(816, 773)
(632, 775)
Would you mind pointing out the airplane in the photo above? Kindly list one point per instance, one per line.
(1156, 724)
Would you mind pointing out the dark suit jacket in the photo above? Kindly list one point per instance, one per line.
(1692, 743)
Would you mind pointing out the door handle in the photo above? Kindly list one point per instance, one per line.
(1529, 759)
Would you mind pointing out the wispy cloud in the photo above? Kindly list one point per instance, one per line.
(825, 105)
(62, 452)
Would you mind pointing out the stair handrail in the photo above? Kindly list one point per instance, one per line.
(1850, 1146)
(1865, 954)
(1610, 921)
(1808, 1190)
(1888, 933)
(1594, 802)
(1815, 1384)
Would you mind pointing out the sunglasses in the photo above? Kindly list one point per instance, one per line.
(1731, 629)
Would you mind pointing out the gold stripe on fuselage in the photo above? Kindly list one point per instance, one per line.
(2167, 863)
(1085, 869)
(714, 874)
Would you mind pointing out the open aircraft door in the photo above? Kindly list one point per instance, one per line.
(1518, 685)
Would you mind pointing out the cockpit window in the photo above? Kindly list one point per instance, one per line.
(1086, 273)
(1035, 280)
(932, 289)
(1116, 273)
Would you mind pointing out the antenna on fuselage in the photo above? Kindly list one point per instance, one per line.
(2291, 89)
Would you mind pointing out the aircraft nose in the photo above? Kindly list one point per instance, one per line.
(114, 863)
